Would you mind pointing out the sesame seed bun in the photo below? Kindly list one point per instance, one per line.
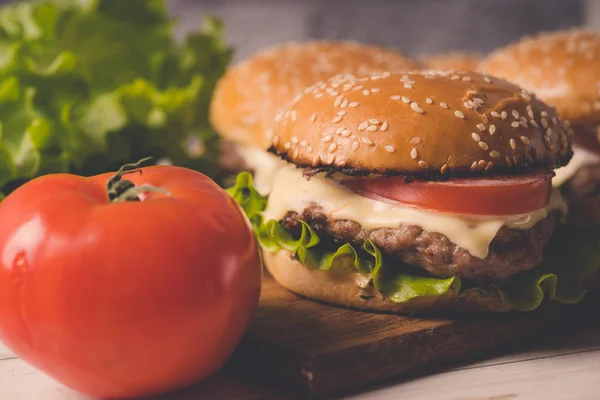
(339, 286)
(249, 96)
(458, 60)
(562, 68)
(427, 123)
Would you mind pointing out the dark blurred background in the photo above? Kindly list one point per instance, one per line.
(417, 27)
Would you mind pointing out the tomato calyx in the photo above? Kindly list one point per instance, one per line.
(121, 190)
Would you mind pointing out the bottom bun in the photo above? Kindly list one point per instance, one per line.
(340, 286)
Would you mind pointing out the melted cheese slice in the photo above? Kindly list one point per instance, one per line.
(292, 192)
(264, 164)
(580, 158)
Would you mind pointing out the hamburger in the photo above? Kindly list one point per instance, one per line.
(457, 60)
(431, 191)
(563, 69)
(252, 95)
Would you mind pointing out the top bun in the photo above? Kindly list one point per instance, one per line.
(249, 96)
(427, 123)
(562, 68)
(460, 60)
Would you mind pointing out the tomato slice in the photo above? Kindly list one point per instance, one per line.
(476, 196)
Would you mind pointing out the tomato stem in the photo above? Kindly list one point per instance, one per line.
(121, 190)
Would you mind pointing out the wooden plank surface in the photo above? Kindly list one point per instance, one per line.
(307, 345)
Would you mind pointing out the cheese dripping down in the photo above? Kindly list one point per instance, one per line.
(581, 157)
(264, 166)
(474, 233)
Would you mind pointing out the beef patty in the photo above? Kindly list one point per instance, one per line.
(511, 251)
(582, 194)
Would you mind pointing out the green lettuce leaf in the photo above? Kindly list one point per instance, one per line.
(88, 85)
(572, 255)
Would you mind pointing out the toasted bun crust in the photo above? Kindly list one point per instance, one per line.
(459, 60)
(427, 123)
(249, 96)
(562, 68)
(339, 286)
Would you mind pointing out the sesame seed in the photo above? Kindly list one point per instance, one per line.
(334, 93)
(414, 154)
(544, 114)
(341, 113)
(428, 100)
(474, 166)
(475, 137)
(512, 143)
(313, 117)
(316, 161)
(503, 115)
(549, 132)
(366, 92)
(472, 92)
(466, 78)
(296, 153)
(389, 148)
(492, 129)
(354, 146)
(529, 111)
(514, 124)
(304, 144)
(327, 139)
(454, 77)
(495, 114)
(444, 169)
(525, 139)
(330, 160)
(459, 114)
(287, 145)
(481, 164)
(544, 122)
(375, 90)
(341, 163)
(332, 147)
(353, 104)
(523, 123)
(415, 140)
(484, 145)
(481, 127)
(416, 107)
(489, 165)
(488, 80)
(555, 120)
(337, 119)
(526, 96)
(494, 154)
(344, 105)
(275, 140)
(532, 122)
(363, 126)
(405, 99)
(318, 95)
(346, 133)
(443, 105)
(468, 104)
(367, 141)
(395, 97)
(309, 149)
(294, 139)
(384, 127)
(338, 101)
(408, 85)
(423, 164)
(372, 128)
(515, 114)
(374, 121)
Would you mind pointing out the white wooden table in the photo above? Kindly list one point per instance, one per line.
(561, 367)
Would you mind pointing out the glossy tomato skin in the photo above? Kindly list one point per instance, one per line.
(128, 299)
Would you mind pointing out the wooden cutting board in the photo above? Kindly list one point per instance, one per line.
(318, 350)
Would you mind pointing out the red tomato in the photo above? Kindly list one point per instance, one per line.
(126, 299)
(489, 196)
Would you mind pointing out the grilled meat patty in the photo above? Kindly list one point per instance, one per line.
(511, 251)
